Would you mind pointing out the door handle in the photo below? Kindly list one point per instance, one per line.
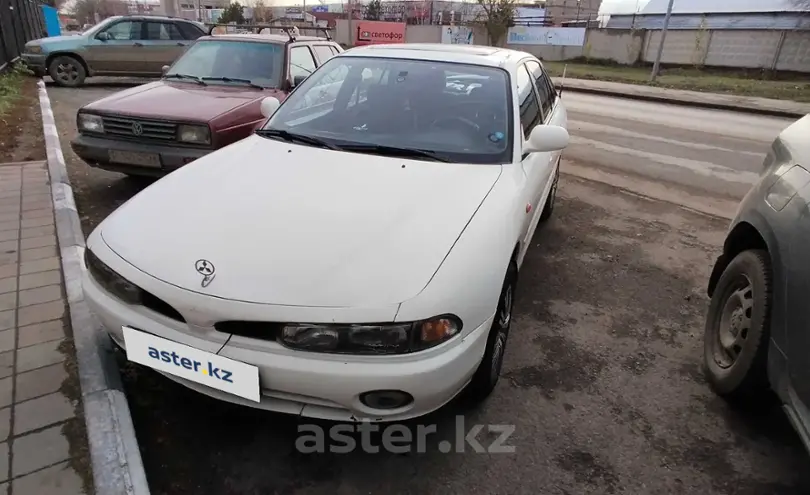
(181, 44)
(137, 44)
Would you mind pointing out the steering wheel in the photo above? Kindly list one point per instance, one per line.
(465, 121)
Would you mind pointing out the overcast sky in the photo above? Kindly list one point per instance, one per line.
(622, 6)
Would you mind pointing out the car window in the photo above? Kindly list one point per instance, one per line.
(323, 95)
(125, 30)
(162, 31)
(529, 108)
(545, 92)
(403, 103)
(334, 49)
(190, 31)
(324, 52)
(258, 62)
(301, 62)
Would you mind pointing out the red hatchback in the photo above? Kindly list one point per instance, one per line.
(209, 98)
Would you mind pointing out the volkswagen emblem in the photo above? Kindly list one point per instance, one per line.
(137, 128)
(207, 270)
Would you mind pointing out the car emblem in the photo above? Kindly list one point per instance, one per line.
(137, 128)
(207, 270)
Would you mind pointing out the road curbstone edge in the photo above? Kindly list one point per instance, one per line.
(115, 456)
(682, 102)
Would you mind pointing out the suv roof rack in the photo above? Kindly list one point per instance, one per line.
(288, 30)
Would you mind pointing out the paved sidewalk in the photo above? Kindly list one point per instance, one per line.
(35, 454)
(750, 104)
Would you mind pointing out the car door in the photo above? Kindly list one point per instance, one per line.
(535, 165)
(164, 44)
(121, 53)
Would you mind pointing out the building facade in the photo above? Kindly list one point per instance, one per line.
(564, 11)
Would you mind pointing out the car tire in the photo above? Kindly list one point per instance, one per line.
(737, 333)
(489, 370)
(548, 208)
(67, 71)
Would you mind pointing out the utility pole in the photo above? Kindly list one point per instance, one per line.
(351, 15)
(657, 63)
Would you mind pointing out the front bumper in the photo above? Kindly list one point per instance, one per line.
(310, 384)
(35, 62)
(95, 151)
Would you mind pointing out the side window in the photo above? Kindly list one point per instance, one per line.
(190, 31)
(301, 62)
(323, 95)
(334, 49)
(545, 91)
(529, 108)
(324, 52)
(125, 30)
(162, 31)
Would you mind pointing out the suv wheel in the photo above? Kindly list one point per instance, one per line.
(67, 71)
(738, 328)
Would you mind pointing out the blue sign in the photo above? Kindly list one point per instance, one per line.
(320, 8)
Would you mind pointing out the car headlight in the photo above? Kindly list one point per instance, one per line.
(34, 49)
(114, 283)
(393, 338)
(90, 123)
(197, 134)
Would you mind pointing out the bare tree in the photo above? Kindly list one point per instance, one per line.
(497, 16)
(262, 11)
(86, 11)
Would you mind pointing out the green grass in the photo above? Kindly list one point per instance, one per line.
(10, 87)
(782, 86)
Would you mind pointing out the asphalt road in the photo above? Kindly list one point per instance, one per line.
(601, 381)
(710, 152)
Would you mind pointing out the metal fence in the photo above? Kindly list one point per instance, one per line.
(20, 21)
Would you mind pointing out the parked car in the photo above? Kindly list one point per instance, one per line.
(357, 257)
(209, 98)
(756, 336)
(131, 45)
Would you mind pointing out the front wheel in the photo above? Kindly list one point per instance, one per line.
(736, 337)
(67, 71)
(488, 372)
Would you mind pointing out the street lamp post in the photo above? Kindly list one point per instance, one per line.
(657, 63)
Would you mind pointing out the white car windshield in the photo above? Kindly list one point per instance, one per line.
(230, 62)
(398, 107)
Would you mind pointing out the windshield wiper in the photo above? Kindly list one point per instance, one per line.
(196, 79)
(293, 138)
(235, 80)
(379, 149)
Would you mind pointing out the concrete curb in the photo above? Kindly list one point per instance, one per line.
(114, 452)
(688, 103)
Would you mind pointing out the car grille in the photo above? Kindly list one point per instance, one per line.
(251, 329)
(140, 129)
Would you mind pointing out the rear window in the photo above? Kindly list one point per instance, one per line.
(190, 31)
(257, 62)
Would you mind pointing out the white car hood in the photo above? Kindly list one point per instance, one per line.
(302, 226)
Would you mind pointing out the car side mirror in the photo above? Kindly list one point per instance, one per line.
(164, 69)
(269, 106)
(546, 138)
(103, 36)
(298, 80)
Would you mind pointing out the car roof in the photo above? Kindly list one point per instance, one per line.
(266, 38)
(469, 54)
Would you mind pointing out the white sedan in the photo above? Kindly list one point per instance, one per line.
(356, 258)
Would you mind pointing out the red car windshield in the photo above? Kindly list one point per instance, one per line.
(231, 62)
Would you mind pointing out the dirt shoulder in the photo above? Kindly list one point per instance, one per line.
(787, 86)
(21, 136)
